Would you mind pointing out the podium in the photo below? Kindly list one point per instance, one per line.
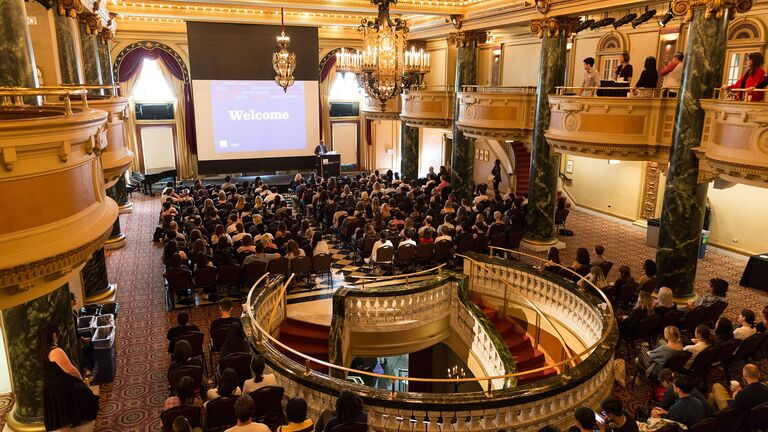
(329, 165)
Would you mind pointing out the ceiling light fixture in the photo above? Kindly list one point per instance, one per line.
(586, 24)
(648, 14)
(602, 23)
(667, 17)
(626, 19)
(283, 61)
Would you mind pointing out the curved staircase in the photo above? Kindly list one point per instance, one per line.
(522, 166)
(519, 344)
(307, 338)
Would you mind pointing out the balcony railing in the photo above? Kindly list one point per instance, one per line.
(586, 312)
(612, 127)
(428, 106)
(504, 113)
(734, 144)
(373, 111)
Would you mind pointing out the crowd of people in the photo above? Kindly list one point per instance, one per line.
(213, 225)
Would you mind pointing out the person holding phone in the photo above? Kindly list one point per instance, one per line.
(614, 418)
(586, 419)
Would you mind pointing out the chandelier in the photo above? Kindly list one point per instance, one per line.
(283, 61)
(384, 67)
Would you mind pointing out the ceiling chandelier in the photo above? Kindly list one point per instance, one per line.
(385, 66)
(283, 61)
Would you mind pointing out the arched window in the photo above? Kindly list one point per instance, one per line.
(744, 36)
(608, 54)
(151, 85)
(345, 88)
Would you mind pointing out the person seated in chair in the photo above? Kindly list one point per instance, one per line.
(762, 326)
(182, 356)
(648, 280)
(235, 342)
(227, 386)
(225, 318)
(615, 418)
(380, 243)
(688, 409)
(716, 294)
(665, 302)
(260, 255)
(746, 322)
(581, 265)
(296, 413)
(259, 380)
(183, 326)
(599, 260)
(585, 419)
(443, 235)
(349, 409)
(184, 395)
(752, 394)
(244, 408)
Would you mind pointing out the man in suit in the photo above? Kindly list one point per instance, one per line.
(321, 149)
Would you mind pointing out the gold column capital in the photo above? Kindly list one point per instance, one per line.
(464, 38)
(554, 26)
(712, 8)
(92, 23)
(69, 8)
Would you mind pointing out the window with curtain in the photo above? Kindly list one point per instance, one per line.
(151, 86)
(345, 88)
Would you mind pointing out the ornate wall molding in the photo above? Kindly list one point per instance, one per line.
(464, 38)
(149, 45)
(712, 8)
(650, 190)
(554, 26)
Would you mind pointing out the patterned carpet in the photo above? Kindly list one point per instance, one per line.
(134, 400)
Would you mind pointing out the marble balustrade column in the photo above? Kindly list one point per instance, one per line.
(90, 51)
(409, 151)
(70, 60)
(463, 148)
(121, 192)
(540, 222)
(22, 325)
(105, 64)
(17, 60)
(682, 214)
(96, 286)
(116, 239)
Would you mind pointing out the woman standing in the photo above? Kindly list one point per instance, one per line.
(649, 79)
(496, 173)
(67, 401)
(751, 78)
(624, 69)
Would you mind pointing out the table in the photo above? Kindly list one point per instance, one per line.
(756, 273)
(613, 88)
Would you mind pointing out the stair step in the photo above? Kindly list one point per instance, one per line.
(517, 341)
(308, 325)
(300, 331)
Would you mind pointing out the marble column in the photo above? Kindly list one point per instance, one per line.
(70, 60)
(105, 63)
(17, 60)
(409, 151)
(463, 149)
(96, 284)
(682, 214)
(540, 222)
(121, 192)
(116, 239)
(91, 63)
(22, 325)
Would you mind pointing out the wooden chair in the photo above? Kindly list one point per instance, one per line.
(321, 264)
(443, 251)
(703, 363)
(405, 256)
(218, 336)
(205, 279)
(692, 319)
(561, 216)
(253, 271)
(195, 340)
(606, 268)
(269, 406)
(192, 371)
(424, 253)
(230, 278)
(301, 267)
(385, 257)
(757, 419)
(713, 313)
(744, 352)
(480, 244)
(671, 318)
(706, 425)
(220, 414)
(193, 414)
(278, 266)
(643, 330)
(514, 239)
(240, 363)
(180, 284)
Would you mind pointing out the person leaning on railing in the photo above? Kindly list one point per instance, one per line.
(752, 77)
(648, 81)
(591, 78)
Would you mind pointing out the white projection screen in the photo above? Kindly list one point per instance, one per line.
(255, 119)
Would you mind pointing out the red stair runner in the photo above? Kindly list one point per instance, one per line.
(306, 338)
(519, 344)
(522, 166)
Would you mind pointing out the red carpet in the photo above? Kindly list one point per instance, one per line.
(307, 338)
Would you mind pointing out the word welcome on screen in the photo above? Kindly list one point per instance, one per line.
(239, 115)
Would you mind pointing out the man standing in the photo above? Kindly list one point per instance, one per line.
(591, 78)
(496, 173)
(672, 74)
(321, 149)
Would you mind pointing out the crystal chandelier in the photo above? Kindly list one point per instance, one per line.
(283, 61)
(384, 67)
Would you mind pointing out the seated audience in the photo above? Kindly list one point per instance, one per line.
(380, 243)
(585, 419)
(615, 418)
(244, 408)
(296, 414)
(648, 280)
(225, 318)
(599, 259)
(235, 341)
(319, 246)
(762, 326)
(182, 356)
(653, 360)
(703, 338)
(181, 424)
(227, 385)
(596, 277)
(687, 409)
(581, 265)
(625, 279)
(753, 393)
(642, 310)
(259, 380)
(183, 326)
(665, 302)
(723, 331)
(716, 294)
(553, 260)
(349, 409)
(746, 322)
(260, 255)
(184, 395)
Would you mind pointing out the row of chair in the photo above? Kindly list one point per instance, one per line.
(756, 420)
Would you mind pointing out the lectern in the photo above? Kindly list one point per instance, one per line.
(329, 165)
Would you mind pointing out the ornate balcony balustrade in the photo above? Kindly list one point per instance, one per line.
(524, 408)
(373, 111)
(608, 127)
(734, 143)
(428, 106)
(49, 155)
(503, 113)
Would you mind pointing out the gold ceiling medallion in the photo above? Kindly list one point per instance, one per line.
(554, 26)
(385, 66)
(283, 61)
(712, 8)
(543, 6)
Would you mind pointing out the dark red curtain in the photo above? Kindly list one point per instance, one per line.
(368, 133)
(131, 65)
(323, 75)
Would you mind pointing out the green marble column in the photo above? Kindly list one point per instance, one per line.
(70, 60)
(105, 62)
(116, 239)
(17, 60)
(682, 214)
(22, 325)
(95, 279)
(121, 195)
(91, 63)
(463, 150)
(540, 223)
(409, 151)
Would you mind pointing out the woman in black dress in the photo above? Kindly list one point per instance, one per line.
(67, 401)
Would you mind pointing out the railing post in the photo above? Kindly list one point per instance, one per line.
(538, 331)
(307, 368)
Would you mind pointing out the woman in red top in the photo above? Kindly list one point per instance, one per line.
(751, 78)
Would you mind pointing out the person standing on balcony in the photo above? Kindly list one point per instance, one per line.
(591, 78)
(673, 74)
(623, 71)
(496, 173)
(751, 79)
(649, 79)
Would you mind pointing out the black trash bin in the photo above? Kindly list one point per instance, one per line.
(104, 353)
(86, 325)
(109, 308)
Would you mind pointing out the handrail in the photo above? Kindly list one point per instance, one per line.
(499, 89)
(14, 96)
(561, 90)
(400, 276)
(539, 312)
(307, 358)
(434, 87)
(721, 93)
